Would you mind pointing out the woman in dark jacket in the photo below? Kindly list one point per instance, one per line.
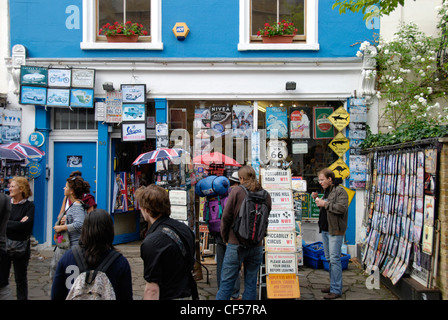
(332, 224)
(18, 232)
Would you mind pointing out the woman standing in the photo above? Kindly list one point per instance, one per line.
(73, 217)
(333, 218)
(18, 232)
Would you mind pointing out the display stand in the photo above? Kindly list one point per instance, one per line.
(281, 246)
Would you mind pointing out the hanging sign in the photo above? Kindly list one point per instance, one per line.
(340, 169)
(281, 220)
(340, 144)
(340, 118)
(276, 178)
(280, 241)
(281, 199)
(281, 263)
(282, 286)
(277, 150)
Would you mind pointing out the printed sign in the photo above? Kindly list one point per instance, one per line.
(323, 127)
(281, 220)
(133, 132)
(283, 286)
(276, 178)
(178, 197)
(281, 263)
(340, 169)
(280, 241)
(340, 118)
(179, 213)
(277, 150)
(281, 199)
(340, 144)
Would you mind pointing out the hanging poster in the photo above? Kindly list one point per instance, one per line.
(83, 78)
(201, 119)
(58, 97)
(33, 95)
(59, 77)
(133, 132)
(300, 125)
(221, 120)
(276, 123)
(114, 103)
(134, 93)
(323, 128)
(134, 112)
(242, 121)
(81, 98)
(34, 76)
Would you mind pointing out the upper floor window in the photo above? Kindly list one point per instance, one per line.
(273, 11)
(96, 13)
(255, 13)
(122, 11)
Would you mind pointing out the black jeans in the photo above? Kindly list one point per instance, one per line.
(20, 272)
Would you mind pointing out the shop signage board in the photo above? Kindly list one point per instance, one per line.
(280, 241)
(340, 118)
(281, 220)
(281, 199)
(340, 144)
(276, 178)
(283, 286)
(281, 263)
(340, 169)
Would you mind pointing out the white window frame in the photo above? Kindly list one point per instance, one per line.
(89, 31)
(311, 29)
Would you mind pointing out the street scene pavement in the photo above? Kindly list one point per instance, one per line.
(311, 280)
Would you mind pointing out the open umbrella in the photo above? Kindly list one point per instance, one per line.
(158, 155)
(19, 151)
(215, 157)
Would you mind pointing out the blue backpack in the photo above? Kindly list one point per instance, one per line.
(213, 209)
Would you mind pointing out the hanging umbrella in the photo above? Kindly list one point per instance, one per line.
(19, 151)
(158, 155)
(215, 157)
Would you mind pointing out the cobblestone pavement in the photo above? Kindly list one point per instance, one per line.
(311, 280)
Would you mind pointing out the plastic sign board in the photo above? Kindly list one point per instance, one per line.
(340, 118)
(280, 241)
(281, 220)
(276, 178)
(277, 150)
(281, 199)
(340, 169)
(282, 286)
(281, 263)
(340, 144)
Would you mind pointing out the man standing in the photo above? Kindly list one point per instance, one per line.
(168, 249)
(240, 252)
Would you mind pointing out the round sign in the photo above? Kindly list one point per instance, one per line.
(36, 139)
(34, 169)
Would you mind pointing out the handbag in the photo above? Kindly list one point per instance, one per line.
(16, 248)
(62, 238)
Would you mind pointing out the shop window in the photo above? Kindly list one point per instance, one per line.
(75, 119)
(254, 13)
(99, 12)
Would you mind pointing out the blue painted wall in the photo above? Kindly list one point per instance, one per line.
(214, 31)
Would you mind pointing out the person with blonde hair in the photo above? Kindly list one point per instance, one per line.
(18, 232)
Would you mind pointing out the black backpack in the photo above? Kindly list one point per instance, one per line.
(251, 223)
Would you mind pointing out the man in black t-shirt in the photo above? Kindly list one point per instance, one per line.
(168, 249)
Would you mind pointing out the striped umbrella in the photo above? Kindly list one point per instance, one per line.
(19, 151)
(158, 155)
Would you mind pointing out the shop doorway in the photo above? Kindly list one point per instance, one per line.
(69, 157)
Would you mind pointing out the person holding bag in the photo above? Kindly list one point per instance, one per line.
(18, 232)
(70, 223)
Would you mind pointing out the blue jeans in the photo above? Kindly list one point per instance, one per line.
(236, 255)
(220, 253)
(332, 248)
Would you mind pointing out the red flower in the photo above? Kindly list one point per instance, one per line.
(145, 33)
(128, 22)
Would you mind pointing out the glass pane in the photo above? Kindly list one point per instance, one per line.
(91, 123)
(294, 11)
(82, 118)
(139, 11)
(266, 11)
(263, 11)
(109, 11)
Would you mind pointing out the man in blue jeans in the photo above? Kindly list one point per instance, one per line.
(238, 253)
(333, 218)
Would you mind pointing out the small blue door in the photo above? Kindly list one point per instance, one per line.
(69, 157)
